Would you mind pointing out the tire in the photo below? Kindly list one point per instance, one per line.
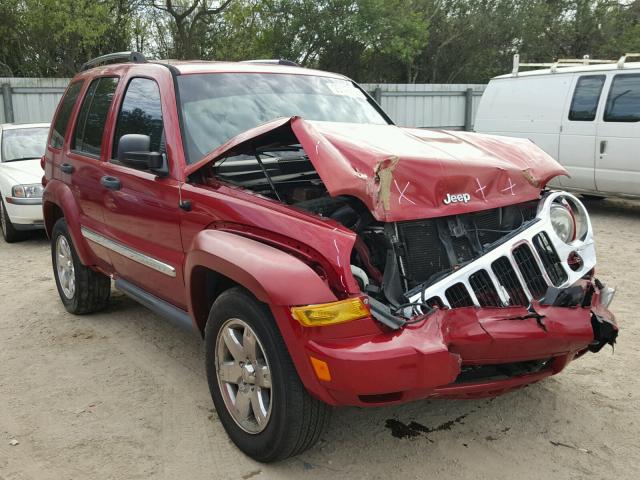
(9, 232)
(81, 289)
(295, 420)
(593, 198)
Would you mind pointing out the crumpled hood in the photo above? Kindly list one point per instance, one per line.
(406, 174)
(22, 172)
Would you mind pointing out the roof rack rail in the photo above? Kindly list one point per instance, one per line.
(118, 57)
(273, 61)
(566, 62)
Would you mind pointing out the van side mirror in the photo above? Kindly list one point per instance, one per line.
(134, 151)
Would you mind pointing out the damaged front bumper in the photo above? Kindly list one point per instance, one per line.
(466, 352)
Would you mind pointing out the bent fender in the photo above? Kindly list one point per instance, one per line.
(273, 276)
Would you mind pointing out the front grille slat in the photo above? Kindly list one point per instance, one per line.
(526, 263)
(508, 278)
(484, 289)
(458, 296)
(550, 259)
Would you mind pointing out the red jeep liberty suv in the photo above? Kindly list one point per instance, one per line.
(327, 256)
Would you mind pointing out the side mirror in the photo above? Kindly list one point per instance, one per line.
(133, 151)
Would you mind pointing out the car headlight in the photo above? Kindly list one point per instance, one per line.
(563, 222)
(27, 191)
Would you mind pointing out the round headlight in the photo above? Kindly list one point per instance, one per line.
(563, 223)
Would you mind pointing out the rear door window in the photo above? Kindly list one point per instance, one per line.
(141, 113)
(59, 128)
(586, 97)
(623, 102)
(93, 115)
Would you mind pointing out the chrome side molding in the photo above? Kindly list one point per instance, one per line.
(128, 252)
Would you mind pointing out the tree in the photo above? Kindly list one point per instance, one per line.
(55, 37)
(188, 22)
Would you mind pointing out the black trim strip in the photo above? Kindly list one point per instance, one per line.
(175, 315)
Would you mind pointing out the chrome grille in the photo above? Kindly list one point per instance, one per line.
(519, 270)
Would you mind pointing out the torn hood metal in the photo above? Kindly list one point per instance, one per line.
(406, 174)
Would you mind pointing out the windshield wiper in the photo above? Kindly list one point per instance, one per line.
(20, 158)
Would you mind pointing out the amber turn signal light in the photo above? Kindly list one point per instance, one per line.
(331, 313)
(321, 368)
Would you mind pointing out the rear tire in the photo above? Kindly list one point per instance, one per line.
(9, 232)
(81, 289)
(293, 421)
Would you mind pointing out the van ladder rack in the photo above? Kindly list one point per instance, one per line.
(623, 58)
(567, 62)
(118, 57)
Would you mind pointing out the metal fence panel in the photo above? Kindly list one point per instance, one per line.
(33, 99)
(428, 105)
(410, 105)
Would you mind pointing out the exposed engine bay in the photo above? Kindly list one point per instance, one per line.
(390, 261)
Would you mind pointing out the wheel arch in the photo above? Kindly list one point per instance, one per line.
(220, 260)
(58, 202)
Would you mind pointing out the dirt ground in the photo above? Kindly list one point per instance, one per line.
(122, 394)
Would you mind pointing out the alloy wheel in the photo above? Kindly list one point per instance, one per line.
(244, 376)
(64, 267)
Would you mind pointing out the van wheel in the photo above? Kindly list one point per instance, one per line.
(258, 395)
(9, 232)
(81, 289)
(593, 198)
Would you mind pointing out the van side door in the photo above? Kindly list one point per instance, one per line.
(618, 140)
(578, 132)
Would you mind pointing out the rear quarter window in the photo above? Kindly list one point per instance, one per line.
(59, 126)
(623, 102)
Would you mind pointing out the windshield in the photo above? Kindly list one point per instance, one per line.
(218, 106)
(23, 143)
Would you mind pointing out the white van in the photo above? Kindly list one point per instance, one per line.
(585, 113)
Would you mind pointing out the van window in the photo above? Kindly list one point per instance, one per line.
(64, 113)
(585, 98)
(141, 113)
(623, 103)
(93, 115)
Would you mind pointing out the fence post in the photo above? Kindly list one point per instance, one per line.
(377, 95)
(468, 109)
(8, 103)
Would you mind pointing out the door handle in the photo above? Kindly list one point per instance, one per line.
(66, 168)
(603, 146)
(112, 183)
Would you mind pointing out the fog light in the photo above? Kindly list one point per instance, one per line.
(575, 261)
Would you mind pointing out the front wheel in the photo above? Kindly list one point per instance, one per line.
(9, 232)
(81, 289)
(258, 395)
